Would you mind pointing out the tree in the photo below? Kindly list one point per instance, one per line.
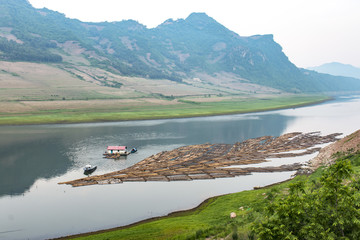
(326, 210)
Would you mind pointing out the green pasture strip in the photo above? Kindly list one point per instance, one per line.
(146, 111)
(209, 219)
(214, 212)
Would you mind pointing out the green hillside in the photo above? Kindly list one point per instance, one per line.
(196, 47)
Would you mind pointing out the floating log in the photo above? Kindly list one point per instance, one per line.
(208, 161)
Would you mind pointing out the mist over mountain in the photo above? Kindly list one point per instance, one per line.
(197, 47)
(338, 69)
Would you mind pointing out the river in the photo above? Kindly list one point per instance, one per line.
(33, 159)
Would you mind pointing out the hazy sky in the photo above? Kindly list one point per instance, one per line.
(311, 32)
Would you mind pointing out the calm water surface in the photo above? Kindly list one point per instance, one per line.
(33, 159)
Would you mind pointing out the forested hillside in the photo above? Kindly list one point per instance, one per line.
(197, 47)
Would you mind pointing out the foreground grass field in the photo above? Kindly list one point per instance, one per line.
(145, 108)
(211, 220)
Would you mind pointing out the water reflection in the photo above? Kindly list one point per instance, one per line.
(29, 153)
(27, 156)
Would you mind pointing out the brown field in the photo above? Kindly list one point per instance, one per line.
(102, 105)
(29, 87)
(31, 81)
(234, 83)
(76, 91)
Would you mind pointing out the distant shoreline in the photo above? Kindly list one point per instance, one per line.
(158, 112)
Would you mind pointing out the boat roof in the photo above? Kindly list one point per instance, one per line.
(116, 148)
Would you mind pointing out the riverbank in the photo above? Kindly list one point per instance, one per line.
(113, 233)
(212, 217)
(87, 111)
(209, 217)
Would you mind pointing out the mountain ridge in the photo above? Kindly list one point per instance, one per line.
(338, 69)
(179, 50)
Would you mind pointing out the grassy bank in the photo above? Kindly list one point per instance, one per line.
(212, 218)
(101, 111)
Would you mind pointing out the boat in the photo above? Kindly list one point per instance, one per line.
(116, 150)
(88, 169)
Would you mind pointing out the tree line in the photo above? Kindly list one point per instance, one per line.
(12, 51)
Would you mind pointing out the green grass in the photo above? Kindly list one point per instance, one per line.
(210, 219)
(213, 215)
(184, 108)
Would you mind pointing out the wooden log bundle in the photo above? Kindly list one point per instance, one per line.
(209, 161)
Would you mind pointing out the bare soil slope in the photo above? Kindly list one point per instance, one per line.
(350, 143)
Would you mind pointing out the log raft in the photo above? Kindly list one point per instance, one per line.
(210, 161)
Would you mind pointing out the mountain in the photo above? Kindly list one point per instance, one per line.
(189, 50)
(338, 69)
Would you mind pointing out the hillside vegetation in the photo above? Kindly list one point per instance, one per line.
(196, 47)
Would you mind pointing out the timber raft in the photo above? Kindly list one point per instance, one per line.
(210, 161)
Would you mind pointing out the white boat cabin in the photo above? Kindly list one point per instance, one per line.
(117, 149)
